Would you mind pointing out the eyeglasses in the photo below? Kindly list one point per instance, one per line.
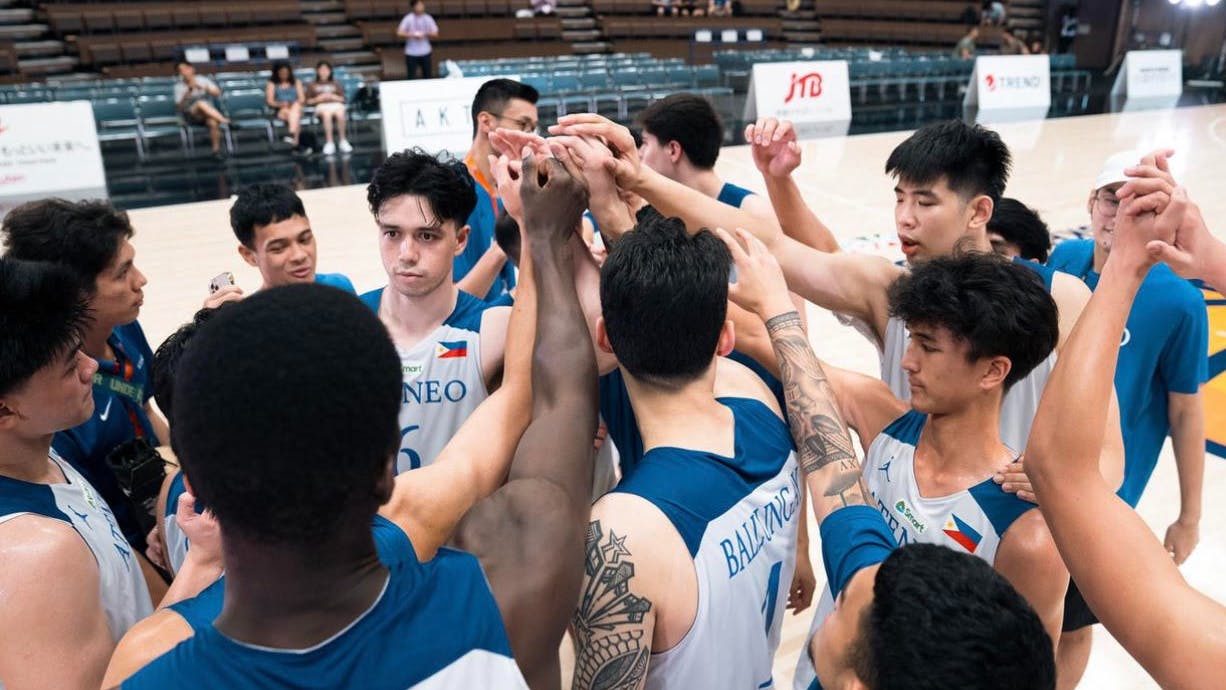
(1108, 205)
(523, 124)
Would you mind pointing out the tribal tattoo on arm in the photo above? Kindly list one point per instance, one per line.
(827, 455)
(612, 645)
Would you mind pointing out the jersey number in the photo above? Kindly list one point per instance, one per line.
(414, 458)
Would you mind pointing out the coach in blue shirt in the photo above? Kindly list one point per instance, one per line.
(1162, 364)
(92, 239)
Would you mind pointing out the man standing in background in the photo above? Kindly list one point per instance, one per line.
(417, 28)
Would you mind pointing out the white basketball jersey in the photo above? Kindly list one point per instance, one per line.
(971, 521)
(124, 596)
(738, 517)
(443, 382)
(1022, 400)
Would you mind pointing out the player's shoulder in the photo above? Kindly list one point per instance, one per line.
(735, 380)
(470, 312)
(34, 546)
(144, 643)
(1029, 539)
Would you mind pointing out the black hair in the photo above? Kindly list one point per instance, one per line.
(277, 67)
(1020, 225)
(42, 317)
(85, 236)
(263, 204)
(506, 234)
(283, 439)
(942, 619)
(972, 159)
(180, 63)
(331, 70)
(494, 94)
(997, 307)
(169, 354)
(688, 120)
(443, 182)
(664, 298)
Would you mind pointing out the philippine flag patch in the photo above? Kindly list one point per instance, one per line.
(452, 350)
(964, 534)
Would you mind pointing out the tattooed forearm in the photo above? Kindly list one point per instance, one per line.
(612, 647)
(827, 455)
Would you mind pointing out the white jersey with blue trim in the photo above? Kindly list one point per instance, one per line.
(443, 381)
(434, 626)
(972, 521)
(1021, 401)
(123, 593)
(738, 517)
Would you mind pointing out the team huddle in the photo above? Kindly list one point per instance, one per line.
(585, 407)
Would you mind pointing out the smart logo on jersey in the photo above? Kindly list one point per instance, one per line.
(964, 534)
(904, 510)
(456, 349)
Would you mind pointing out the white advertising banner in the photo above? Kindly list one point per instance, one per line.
(434, 114)
(1148, 79)
(1010, 87)
(815, 96)
(49, 149)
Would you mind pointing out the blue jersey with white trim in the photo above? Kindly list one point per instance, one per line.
(443, 382)
(340, 281)
(395, 644)
(738, 518)
(173, 537)
(733, 195)
(123, 593)
(972, 521)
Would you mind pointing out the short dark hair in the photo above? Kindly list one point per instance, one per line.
(996, 306)
(1019, 224)
(664, 298)
(972, 159)
(688, 120)
(169, 354)
(277, 67)
(445, 183)
(42, 316)
(82, 235)
(495, 93)
(285, 441)
(506, 234)
(263, 204)
(943, 619)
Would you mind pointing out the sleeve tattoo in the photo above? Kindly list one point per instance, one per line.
(611, 652)
(821, 436)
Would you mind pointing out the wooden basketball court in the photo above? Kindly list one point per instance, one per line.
(181, 247)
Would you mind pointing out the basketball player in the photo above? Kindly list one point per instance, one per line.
(92, 239)
(481, 269)
(1166, 625)
(284, 571)
(274, 236)
(949, 175)
(1015, 230)
(923, 616)
(70, 581)
(691, 556)
(1162, 364)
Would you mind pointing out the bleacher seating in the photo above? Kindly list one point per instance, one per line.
(167, 16)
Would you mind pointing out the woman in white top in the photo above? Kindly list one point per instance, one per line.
(328, 97)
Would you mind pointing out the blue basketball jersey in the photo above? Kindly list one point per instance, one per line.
(738, 518)
(1163, 351)
(337, 280)
(435, 625)
(123, 593)
(972, 521)
(172, 536)
(443, 382)
(733, 195)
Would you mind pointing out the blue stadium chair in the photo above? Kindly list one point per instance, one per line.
(159, 118)
(74, 93)
(116, 120)
(594, 80)
(29, 96)
(247, 111)
(706, 76)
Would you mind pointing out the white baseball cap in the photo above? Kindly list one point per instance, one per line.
(1113, 168)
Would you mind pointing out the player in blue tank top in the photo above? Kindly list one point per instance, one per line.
(1162, 364)
(274, 235)
(78, 583)
(978, 631)
(277, 524)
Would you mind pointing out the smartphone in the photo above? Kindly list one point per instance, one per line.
(222, 280)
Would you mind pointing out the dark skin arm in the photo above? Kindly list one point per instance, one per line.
(530, 534)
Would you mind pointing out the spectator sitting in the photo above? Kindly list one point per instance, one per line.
(1010, 44)
(965, 49)
(665, 7)
(328, 97)
(193, 98)
(719, 8)
(1036, 45)
(283, 94)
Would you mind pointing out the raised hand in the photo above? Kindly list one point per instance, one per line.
(774, 147)
(511, 142)
(201, 530)
(1153, 218)
(554, 198)
(624, 164)
(757, 284)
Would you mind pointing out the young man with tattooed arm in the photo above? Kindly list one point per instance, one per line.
(980, 633)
